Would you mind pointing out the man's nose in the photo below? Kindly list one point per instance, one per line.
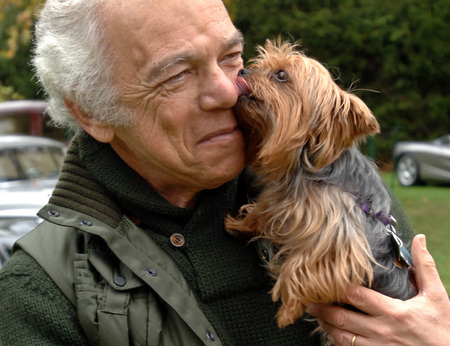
(219, 91)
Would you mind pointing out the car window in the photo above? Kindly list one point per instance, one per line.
(8, 170)
(30, 163)
(446, 140)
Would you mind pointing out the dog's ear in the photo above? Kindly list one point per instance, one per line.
(360, 120)
(344, 121)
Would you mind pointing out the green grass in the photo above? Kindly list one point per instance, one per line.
(428, 209)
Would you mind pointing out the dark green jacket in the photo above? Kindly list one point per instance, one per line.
(119, 284)
(123, 282)
(115, 307)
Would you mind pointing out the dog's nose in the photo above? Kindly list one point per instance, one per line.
(244, 72)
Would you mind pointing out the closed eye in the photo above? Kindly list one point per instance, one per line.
(232, 60)
(177, 77)
(234, 55)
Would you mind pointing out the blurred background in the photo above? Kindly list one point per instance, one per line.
(393, 54)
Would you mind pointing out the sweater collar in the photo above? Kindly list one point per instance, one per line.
(96, 181)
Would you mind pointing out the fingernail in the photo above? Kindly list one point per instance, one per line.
(423, 241)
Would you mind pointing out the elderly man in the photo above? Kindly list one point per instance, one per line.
(133, 249)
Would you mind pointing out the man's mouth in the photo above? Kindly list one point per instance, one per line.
(242, 87)
(219, 135)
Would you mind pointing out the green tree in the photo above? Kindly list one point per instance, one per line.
(393, 54)
(16, 76)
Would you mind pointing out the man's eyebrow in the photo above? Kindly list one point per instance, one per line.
(161, 66)
(236, 39)
(167, 62)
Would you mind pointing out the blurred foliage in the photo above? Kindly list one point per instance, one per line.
(16, 22)
(231, 7)
(393, 54)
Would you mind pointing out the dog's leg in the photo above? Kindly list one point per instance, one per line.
(326, 254)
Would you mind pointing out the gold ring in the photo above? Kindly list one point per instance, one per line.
(353, 340)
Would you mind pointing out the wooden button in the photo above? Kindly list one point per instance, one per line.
(177, 240)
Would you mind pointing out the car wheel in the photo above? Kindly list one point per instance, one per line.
(408, 171)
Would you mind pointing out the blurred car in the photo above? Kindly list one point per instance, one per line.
(29, 167)
(418, 162)
(29, 111)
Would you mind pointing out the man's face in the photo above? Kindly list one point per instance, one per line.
(177, 61)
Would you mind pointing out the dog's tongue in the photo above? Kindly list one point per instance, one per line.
(242, 86)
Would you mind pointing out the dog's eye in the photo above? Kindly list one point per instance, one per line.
(281, 76)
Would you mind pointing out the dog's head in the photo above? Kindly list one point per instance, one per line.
(293, 109)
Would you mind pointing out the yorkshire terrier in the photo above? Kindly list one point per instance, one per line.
(322, 202)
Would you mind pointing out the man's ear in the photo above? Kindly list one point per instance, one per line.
(100, 132)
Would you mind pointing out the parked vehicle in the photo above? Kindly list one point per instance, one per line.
(32, 110)
(29, 167)
(419, 162)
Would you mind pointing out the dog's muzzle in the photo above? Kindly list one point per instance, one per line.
(241, 83)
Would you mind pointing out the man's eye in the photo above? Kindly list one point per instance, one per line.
(177, 77)
(234, 55)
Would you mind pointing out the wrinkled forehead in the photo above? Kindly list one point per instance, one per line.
(166, 15)
(145, 27)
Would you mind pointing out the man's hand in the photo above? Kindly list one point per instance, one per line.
(422, 320)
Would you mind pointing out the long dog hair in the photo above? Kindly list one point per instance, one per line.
(323, 204)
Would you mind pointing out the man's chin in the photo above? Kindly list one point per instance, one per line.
(224, 172)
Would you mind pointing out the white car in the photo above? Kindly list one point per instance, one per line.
(418, 162)
(29, 167)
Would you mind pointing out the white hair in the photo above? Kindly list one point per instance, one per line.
(72, 62)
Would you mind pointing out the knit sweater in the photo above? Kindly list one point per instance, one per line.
(225, 273)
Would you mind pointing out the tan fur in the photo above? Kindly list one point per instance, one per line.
(305, 124)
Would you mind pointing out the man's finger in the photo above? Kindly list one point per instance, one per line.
(369, 301)
(427, 276)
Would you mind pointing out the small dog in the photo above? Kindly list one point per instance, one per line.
(322, 203)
